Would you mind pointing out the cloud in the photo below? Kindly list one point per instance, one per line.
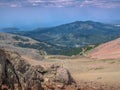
(52, 3)
(101, 3)
(60, 3)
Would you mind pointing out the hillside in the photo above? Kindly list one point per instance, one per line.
(17, 41)
(75, 34)
(89, 74)
(14, 43)
(109, 50)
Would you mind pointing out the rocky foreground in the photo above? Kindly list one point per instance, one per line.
(17, 74)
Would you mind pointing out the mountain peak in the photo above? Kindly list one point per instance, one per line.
(89, 21)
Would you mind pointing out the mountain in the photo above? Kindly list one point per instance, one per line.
(15, 43)
(26, 46)
(75, 34)
(109, 50)
(9, 29)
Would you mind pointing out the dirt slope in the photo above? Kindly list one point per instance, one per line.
(109, 50)
(103, 74)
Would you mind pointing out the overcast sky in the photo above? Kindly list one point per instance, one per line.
(45, 13)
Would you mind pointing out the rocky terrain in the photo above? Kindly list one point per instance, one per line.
(17, 74)
(90, 74)
(57, 73)
(109, 50)
(12, 42)
(25, 68)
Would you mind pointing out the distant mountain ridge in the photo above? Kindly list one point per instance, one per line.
(9, 29)
(75, 34)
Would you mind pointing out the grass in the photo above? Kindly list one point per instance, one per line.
(112, 62)
(78, 50)
(98, 68)
(21, 39)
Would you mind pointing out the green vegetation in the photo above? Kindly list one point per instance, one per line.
(70, 52)
(41, 46)
(20, 39)
(57, 50)
(34, 46)
(76, 33)
(64, 38)
(79, 50)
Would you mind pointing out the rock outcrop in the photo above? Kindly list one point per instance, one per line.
(17, 74)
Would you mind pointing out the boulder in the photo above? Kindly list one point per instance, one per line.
(17, 74)
(63, 76)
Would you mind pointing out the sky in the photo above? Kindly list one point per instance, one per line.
(31, 14)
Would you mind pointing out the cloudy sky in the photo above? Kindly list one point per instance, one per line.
(60, 3)
(45, 13)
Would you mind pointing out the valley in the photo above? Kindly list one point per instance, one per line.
(59, 44)
(93, 66)
(75, 34)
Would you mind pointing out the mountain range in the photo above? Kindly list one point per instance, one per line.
(71, 36)
(75, 34)
(21, 44)
(9, 29)
(31, 60)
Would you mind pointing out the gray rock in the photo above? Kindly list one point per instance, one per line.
(17, 74)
